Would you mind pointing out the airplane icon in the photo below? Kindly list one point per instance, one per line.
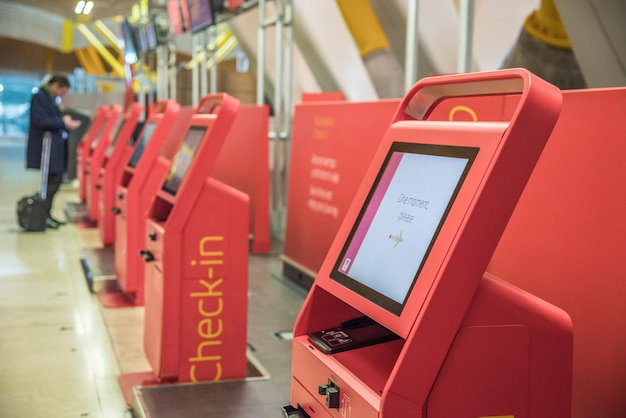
(397, 239)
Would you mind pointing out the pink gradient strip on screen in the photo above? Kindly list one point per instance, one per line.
(370, 212)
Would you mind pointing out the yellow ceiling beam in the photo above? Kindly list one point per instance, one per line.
(90, 61)
(225, 42)
(116, 67)
(108, 35)
(67, 36)
(96, 61)
(364, 26)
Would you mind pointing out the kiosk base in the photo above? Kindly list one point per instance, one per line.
(297, 273)
(78, 213)
(150, 398)
(99, 268)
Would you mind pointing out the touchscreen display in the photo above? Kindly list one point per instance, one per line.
(183, 159)
(400, 221)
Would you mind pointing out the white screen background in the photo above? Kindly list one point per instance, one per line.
(385, 263)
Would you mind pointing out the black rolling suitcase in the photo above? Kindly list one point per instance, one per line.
(31, 210)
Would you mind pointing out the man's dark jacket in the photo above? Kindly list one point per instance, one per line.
(45, 115)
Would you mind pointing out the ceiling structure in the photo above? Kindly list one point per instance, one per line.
(65, 8)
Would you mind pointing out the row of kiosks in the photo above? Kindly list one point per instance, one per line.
(103, 146)
(195, 261)
(99, 263)
(402, 320)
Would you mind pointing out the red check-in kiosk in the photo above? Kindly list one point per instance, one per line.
(197, 260)
(115, 157)
(83, 150)
(402, 320)
(141, 177)
(96, 157)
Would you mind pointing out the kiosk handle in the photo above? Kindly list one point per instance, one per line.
(211, 103)
(422, 98)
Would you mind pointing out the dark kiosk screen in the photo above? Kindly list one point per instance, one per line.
(142, 143)
(400, 220)
(183, 159)
(111, 147)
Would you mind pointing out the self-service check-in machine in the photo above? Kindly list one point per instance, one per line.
(196, 261)
(83, 149)
(96, 157)
(139, 181)
(115, 157)
(402, 320)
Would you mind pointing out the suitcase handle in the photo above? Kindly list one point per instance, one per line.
(45, 163)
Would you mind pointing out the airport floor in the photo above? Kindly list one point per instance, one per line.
(61, 351)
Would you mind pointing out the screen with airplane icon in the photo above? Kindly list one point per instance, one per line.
(400, 220)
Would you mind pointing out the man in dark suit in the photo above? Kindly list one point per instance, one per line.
(45, 115)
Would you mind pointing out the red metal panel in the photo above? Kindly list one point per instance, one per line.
(243, 163)
(565, 241)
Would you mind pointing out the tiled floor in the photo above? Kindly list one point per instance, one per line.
(61, 352)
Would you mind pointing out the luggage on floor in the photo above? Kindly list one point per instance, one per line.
(32, 211)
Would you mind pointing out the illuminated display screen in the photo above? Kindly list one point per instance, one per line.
(400, 220)
(183, 159)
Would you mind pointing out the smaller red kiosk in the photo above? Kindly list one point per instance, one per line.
(96, 157)
(83, 149)
(402, 320)
(140, 178)
(196, 261)
(111, 171)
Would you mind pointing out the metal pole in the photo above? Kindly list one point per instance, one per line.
(286, 128)
(278, 192)
(141, 81)
(412, 45)
(202, 55)
(466, 34)
(278, 91)
(161, 72)
(260, 70)
(195, 88)
(173, 70)
(213, 55)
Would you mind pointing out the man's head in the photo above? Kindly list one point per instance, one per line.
(59, 85)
